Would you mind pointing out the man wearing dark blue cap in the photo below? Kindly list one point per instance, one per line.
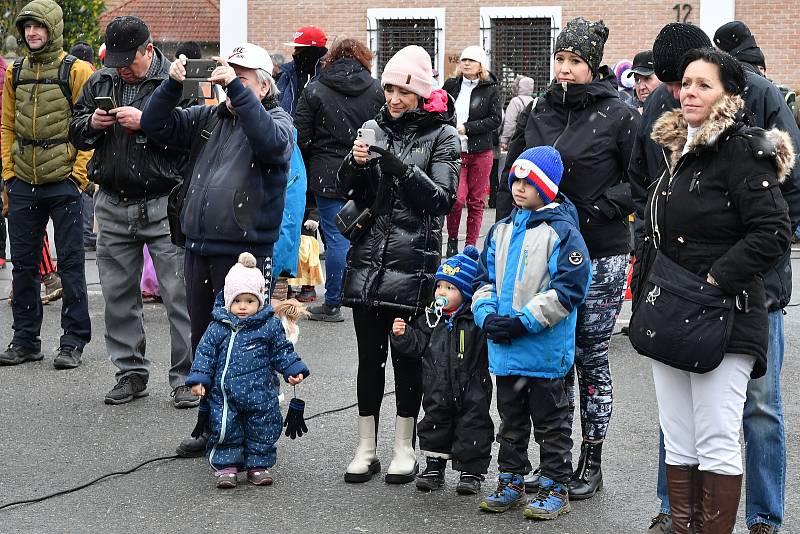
(135, 176)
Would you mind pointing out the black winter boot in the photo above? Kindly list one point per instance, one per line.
(452, 247)
(433, 477)
(588, 477)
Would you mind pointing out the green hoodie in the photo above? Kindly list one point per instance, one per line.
(39, 111)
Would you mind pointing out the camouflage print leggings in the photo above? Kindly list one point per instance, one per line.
(596, 318)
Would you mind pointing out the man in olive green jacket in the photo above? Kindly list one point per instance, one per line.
(44, 175)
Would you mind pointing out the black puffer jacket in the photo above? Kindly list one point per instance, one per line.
(594, 132)
(485, 112)
(721, 211)
(764, 101)
(392, 266)
(328, 114)
(129, 165)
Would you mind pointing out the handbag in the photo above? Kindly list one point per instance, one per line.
(680, 319)
(353, 221)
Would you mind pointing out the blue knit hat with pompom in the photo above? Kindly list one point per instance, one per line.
(460, 270)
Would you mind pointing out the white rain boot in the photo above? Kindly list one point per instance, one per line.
(403, 468)
(365, 464)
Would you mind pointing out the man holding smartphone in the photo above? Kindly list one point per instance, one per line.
(44, 176)
(135, 176)
(238, 177)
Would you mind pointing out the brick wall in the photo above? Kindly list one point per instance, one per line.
(633, 25)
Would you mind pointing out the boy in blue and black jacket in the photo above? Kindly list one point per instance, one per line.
(534, 273)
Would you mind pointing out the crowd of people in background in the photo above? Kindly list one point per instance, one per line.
(679, 164)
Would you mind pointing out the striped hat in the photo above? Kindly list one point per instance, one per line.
(541, 166)
(460, 270)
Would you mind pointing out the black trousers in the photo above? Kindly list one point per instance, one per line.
(461, 428)
(373, 327)
(520, 400)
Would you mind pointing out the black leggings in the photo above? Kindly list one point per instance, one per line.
(373, 328)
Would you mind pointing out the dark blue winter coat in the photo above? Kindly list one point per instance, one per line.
(235, 202)
(289, 85)
(238, 356)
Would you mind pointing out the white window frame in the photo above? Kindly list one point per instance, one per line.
(516, 12)
(437, 14)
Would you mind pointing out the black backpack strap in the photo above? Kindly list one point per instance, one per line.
(62, 81)
(194, 151)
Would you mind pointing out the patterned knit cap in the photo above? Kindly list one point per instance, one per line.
(460, 270)
(585, 39)
(541, 166)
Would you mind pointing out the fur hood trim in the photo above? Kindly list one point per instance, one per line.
(670, 131)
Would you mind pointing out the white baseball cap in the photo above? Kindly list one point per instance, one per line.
(251, 56)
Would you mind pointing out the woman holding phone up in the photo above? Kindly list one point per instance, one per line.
(409, 178)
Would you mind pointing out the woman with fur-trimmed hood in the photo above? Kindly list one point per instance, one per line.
(720, 214)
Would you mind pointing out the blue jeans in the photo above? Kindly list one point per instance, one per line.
(765, 441)
(89, 237)
(29, 209)
(336, 247)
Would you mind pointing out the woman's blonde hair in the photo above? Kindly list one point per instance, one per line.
(483, 74)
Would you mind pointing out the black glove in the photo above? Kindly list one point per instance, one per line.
(294, 422)
(202, 424)
(493, 326)
(389, 163)
(515, 327)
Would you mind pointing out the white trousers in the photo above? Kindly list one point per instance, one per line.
(701, 414)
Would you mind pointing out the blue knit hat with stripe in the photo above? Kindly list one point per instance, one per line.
(460, 270)
(541, 166)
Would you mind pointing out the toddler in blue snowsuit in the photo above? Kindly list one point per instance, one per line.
(234, 364)
(534, 273)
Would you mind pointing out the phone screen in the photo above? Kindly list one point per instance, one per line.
(105, 103)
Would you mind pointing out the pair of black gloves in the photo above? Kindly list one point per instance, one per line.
(389, 163)
(503, 329)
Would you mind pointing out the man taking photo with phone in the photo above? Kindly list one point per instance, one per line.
(240, 157)
(44, 176)
(135, 175)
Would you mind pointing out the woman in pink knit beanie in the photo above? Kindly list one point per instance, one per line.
(408, 178)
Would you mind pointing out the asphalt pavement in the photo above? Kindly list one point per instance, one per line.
(56, 433)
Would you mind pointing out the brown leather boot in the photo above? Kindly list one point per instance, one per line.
(697, 500)
(721, 494)
(680, 488)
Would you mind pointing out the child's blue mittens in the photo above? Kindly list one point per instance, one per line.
(294, 422)
(503, 329)
(493, 326)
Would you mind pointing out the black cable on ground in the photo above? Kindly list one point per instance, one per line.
(160, 458)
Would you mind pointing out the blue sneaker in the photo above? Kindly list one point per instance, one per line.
(551, 501)
(510, 492)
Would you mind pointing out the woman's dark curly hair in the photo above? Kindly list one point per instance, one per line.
(352, 48)
(731, 73)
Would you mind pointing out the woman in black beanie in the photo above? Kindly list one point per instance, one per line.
(583, 117)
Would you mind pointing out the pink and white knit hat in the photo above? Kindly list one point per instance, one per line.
(410, 68)
(244, 277)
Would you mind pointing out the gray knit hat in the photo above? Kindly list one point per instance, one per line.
(585, 39)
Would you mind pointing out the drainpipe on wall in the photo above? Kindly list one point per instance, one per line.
(232, 25)
(715, 13)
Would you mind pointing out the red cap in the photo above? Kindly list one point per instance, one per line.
(309, 36)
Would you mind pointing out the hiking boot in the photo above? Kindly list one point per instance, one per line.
(510, 492)
(52, 288)
(128, 387)
(661, 524)
(551, 501)
(433, 477)
(68, 357)
(226, 478)
(588, 477)
(17, 354)
(192, 447)
(452, 247)
(323, 312)
(469, 484)
(307, 294)
(532, 481)
(762, 528)
(182, 397)
(259, 476)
